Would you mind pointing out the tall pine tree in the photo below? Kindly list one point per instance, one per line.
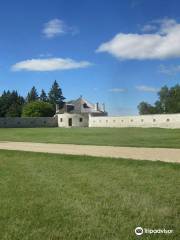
(43, 96)
(32, 95)
(56, 95)
(11, 104)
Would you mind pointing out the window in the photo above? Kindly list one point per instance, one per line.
(167, 120)
(107, 121)
(85, 105)
(131, 120)
(61, 120)
(44, 122)
(142, 120)
(154, 120)
(114, 121)
(69, 108)
(80, 119)
(122, 120)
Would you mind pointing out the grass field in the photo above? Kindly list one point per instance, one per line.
(134, 137)
(57, 197)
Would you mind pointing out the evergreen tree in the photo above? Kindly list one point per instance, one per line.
(43, 96)
(56, 96)
(11, 104)
(32, 95)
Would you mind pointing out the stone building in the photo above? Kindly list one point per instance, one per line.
(76, 113)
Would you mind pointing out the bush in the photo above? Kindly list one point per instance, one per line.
(38, 109)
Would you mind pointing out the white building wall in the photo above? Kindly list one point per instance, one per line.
(78, 120)
(156, 120)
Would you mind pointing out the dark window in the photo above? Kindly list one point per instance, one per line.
(154, 120)
(142, 120)
(85, 105)
(61, 119)
(44, 122)
(70, 122)
(80, 119)
(69, 108)
(114, 121)
(107, 121)
(131, 120)
(122, 120)
(167, 120)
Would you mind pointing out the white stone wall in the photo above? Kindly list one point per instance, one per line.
(78, 120)
(156, 120)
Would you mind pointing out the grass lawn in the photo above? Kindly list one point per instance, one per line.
(57, 197)
(134, 137)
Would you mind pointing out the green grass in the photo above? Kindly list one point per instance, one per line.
(57, 197)
(134, 137)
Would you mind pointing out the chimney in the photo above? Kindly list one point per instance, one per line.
(57, 108)
(104, 109)
(97, 106)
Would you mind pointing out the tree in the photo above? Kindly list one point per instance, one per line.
(56, 96)
(169, 102)
(38, 109)
(173, 101)
(159, 107)
(11, 104)
(32, 95)
(163, 95)
(15, 110)
(146, 108)
(43, 96)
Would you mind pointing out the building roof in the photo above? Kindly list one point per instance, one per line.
(80, 101)
(81, 105)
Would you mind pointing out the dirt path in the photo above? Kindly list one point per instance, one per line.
(153, 154)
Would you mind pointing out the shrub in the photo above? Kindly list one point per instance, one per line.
(38, 109)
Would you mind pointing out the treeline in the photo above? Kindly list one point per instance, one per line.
(33, 105)
(168, 102)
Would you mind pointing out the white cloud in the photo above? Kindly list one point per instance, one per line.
(57, 27)
(162, 44)
(149, 28)
(43, 55)
(49, 64)
(117, 90)
(169, 70)
(54, 27)
(144, 88)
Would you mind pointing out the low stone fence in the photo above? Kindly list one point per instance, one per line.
(28, 122)
(155, 120)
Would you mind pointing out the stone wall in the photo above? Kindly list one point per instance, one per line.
(83, 120)
(28, 122)
(156, 120)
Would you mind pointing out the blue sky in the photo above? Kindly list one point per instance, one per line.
(118, 52)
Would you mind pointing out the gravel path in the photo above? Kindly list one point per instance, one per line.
(153, 154)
